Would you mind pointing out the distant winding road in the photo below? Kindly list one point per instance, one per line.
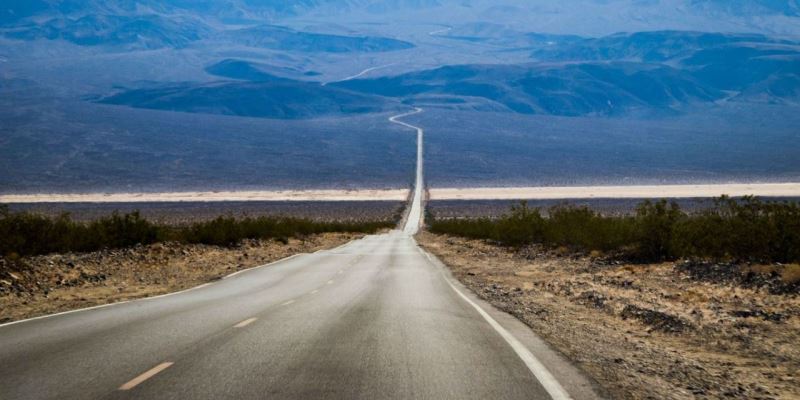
(377, 318)
(440, 31)
(360, 74)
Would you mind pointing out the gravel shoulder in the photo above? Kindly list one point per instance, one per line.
(656, 331)
(42, 285)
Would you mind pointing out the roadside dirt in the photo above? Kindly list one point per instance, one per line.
(654, 331)
(42, 285)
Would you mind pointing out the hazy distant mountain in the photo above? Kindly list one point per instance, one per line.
(615, 75)
(574, 15)
(16, 10)
(147, 31)
(653, 46)
(749, 7)
(570, 90)
(282, 38)
(151, 31)
(757, 66)
(648, 73)
(602, 17)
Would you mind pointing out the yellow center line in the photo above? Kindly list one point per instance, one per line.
(245, 323)
(145, 376)
(288, 302)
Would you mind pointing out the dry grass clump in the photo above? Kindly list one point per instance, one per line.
(791, 274)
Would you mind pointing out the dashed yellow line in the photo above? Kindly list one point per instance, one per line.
(245, 323)
(145, 376)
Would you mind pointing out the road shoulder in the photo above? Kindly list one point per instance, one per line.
(641, 331)
(571, 378)
(46, 285)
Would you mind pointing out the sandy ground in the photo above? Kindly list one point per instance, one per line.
(61, 282)
(617, 192)
(642, 331)
(508, 193)
(281, 195)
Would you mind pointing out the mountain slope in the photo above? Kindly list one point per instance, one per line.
(255, 72)
(569, 90)
(283, 38)
(146, 31)
(758, 66)
(280, 98)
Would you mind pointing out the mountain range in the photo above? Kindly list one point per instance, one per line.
(645, 73)
(141, 94)
(768, 16)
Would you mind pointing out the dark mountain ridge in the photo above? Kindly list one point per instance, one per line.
(279, 98)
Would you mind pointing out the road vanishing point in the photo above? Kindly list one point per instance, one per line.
(377, 318)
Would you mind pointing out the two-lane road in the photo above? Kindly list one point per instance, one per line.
(375, 319)
(416, 215)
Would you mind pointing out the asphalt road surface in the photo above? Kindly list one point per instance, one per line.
(375, 319)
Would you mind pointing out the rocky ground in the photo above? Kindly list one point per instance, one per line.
(41, 285)
(661, 331)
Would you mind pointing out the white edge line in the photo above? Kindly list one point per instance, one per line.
(166, 294)
(545, 378)
(106, 305)
(175, 293)
(261, 266)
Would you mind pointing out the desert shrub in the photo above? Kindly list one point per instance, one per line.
(584, 228)
(566, 226)
(116, 231)
(31, 234)
(521, 226)
(655, 224)
(743, 229)
(480, 228)
(227, 231)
